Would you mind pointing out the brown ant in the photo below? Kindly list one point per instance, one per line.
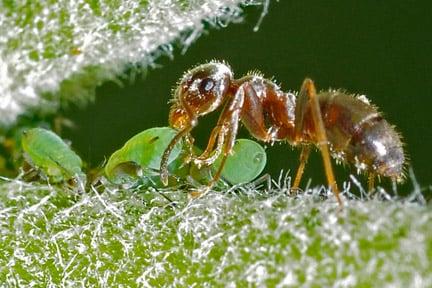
(341, 125)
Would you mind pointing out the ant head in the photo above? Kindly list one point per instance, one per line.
(200, 91)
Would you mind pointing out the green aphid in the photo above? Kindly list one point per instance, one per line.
(47, 152)
(141, 155)
(140, 159)
(246, 162)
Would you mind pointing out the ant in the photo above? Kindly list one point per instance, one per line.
(344, 126)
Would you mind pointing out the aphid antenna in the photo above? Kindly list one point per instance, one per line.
(5, 179)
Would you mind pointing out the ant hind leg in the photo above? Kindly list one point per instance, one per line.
(371, 183)
(304, 156)
(307, 98)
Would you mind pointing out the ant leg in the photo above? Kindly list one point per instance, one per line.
(189, 141)
(207, 160)
(167, 152)
(210, 154)
(303, 160)
(217, 176)
(229, 119)
(214, 134)
(308, 98)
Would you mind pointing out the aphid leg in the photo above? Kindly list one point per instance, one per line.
(167, 152)
(304, 156)
(308, 98)
(371, 182)
(264, 179)
(29, 173)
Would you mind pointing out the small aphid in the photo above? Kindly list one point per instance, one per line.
(47, 152)
(140, 155)
(339, 124)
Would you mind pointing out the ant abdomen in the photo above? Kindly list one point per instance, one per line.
(357, 133)
(378, 146)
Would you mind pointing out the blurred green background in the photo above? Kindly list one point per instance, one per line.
(375, 48)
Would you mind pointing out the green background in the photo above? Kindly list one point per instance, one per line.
(376, 48)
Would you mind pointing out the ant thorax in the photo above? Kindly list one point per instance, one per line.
(268, 112)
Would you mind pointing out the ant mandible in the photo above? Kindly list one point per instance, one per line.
(340, 125)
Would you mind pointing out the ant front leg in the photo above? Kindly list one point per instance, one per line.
(211, 153)
(164, 162)
(229, 121)
(307, 99)
(210, 145)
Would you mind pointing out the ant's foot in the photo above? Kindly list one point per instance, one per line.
(294, 191)
(199, 192)
(194, 194)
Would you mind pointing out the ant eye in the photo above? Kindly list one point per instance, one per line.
(206, 85)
